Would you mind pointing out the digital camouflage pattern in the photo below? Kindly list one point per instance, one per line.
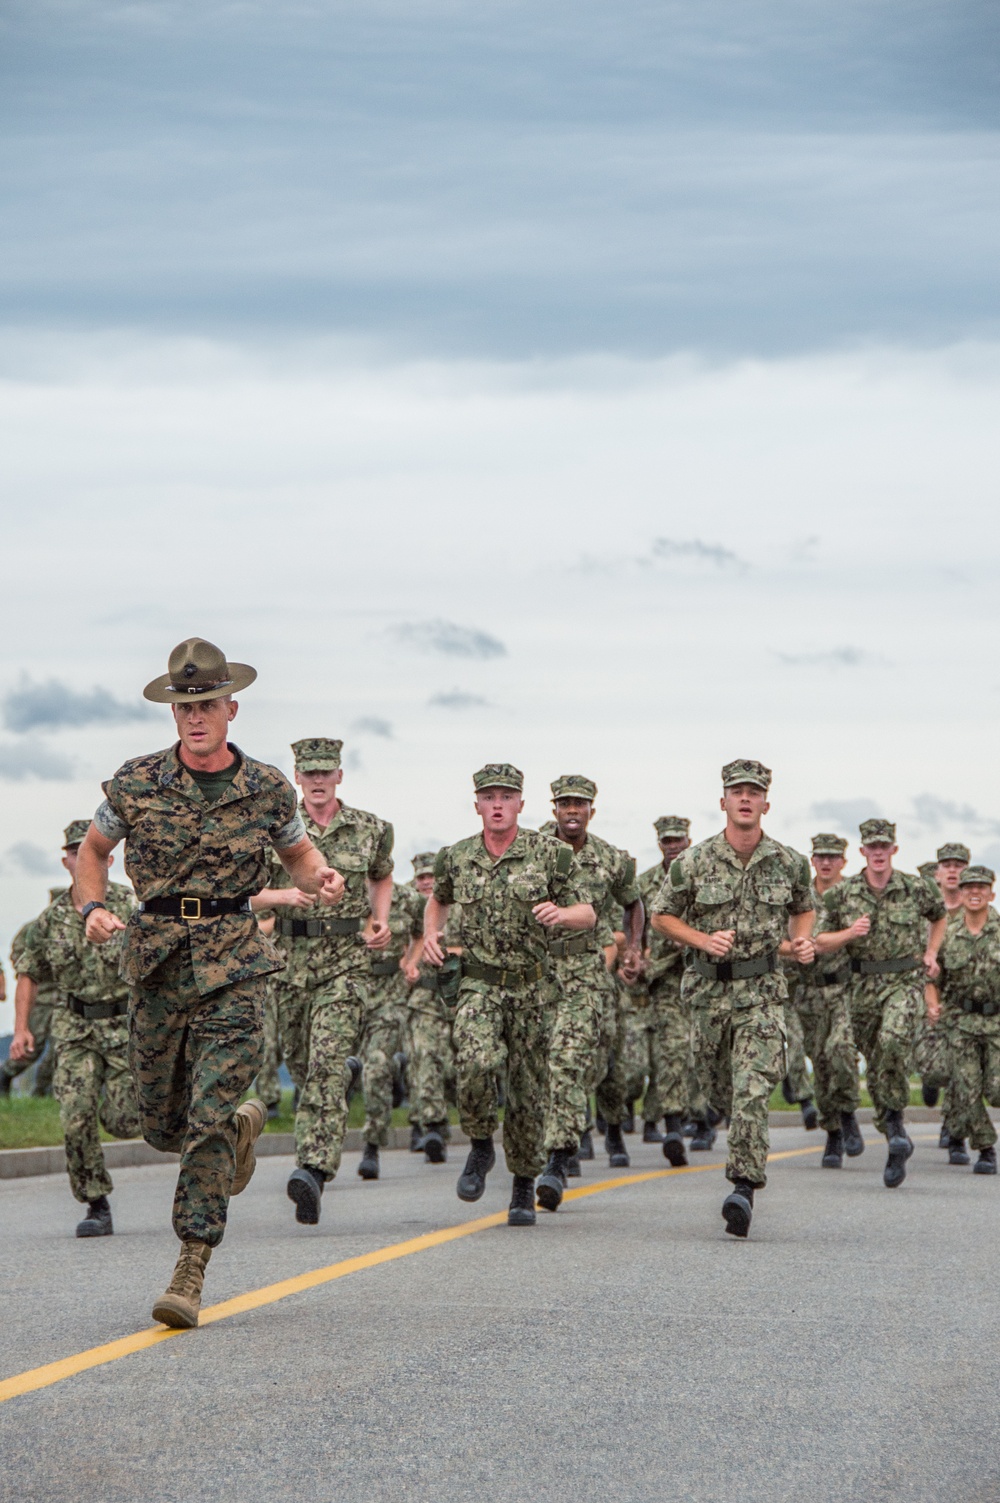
(385, 1014)
(498, 775)
(574, 785)
(796, 1071)
(47, 999)
(663, 956)
(671, 1043)
(433, 1003)
(970, 972)
(954, 850)
(179, 844)
(746, 770)
(878, 832)
(899, 915)
(739, 1042)
(268, 1083)
(818, 1000)
(317, 754)
(56, 950)
(502, 1033)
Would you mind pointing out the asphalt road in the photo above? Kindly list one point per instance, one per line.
(624, 1350)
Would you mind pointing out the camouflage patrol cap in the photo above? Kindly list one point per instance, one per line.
(878, 832)
(954, 850)
(828, 845)
(746, 770)
(672, 826)
(197, 669)
(75, 832)
(498, 775)
(928, 870)
(317, 754)
(574, 785)
(977, 874)
(424, 863)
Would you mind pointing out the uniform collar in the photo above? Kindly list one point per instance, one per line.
(519, 846)
(765, 846)
(174, 774)
(345, 815)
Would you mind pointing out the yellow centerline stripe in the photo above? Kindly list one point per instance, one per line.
(140, 1341)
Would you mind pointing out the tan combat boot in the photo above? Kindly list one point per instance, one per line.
(179, 1306)
(250, 1119)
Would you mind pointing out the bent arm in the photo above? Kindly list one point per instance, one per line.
(23, 1043)
(577, 916)
(435, 917)
(828, 944)
(92, 862)
(677, 930)
(307, 869)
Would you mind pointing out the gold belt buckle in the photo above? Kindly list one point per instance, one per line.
(190, 908)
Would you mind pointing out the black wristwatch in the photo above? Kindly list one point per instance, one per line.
(88, 909)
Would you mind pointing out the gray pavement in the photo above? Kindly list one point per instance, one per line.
(624, 1350)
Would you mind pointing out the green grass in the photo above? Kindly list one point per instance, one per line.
(779, 1104)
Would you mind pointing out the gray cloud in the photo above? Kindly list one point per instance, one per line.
(939, 813)
(845, 814)
(373, 725)
(695, 550)
(51, 706)
(834, 657)
(31, 860)
(457, 699)
(448, 638)
(33, 759)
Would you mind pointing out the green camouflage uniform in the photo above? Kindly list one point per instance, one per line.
(586, 1045)
(818, 1003)
(638, 1064)
(885, 1006)
(502, 1024)
(46, 1001)
(93, 1082)
(268, 1082)
(385, 1014)
(739, 1025)
(678, 1090)
(433, 1005)
(970, 1006)
(196, 986)
(325, 1002)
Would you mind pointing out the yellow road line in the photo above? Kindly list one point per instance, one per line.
(140, 1341)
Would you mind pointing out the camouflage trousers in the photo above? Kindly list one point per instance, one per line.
(93, 1086)
(824, 1021)
(193, 1058)
(638, 1064)
(932, 1051)
(739, 1042)
(681, 1093)
(40, 1024)
(320, 1027)
(800, 1087)
(432, 1059)
(884, 1014)
(382, 1037)
(268, 1081)
(608, 1075)
(975, 1051)
(580, 985)
(503, 1033)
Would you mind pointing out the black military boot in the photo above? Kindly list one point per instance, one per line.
(931, 1094)
(673, 1141)
(628, 1120)
(5, 1083)
(416, 1138)
(810, 1116)
(434, 1144)
(651, 1133)
(573, 1165)
(944, 1137)
(522, 1202)
(586, 1148)
(833, 1153)
(614, 1147)
(786, 1091)
(472, 1180)
(305, 1187)
(552, 1184)
(737, 1208)
(957, 1151)
(704, 1136)
(368, 1168)
(854, 1143)
(97, 1222)
(600, 1124)
(355, 1070)
(900, 1149)
(986, 1162)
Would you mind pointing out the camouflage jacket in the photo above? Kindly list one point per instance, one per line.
(899, 915)
(664, 956)
(58, 951)
(498, 927)
(824, 966)
(608, 874)
(970, 966)
(709, 888)
(177, 844)
(359, 846)
(48, 993)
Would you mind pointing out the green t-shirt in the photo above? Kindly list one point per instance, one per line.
(214, 784)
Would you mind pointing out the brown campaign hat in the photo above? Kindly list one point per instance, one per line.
(197, 669)
(75, 832)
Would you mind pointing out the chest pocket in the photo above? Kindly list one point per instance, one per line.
(469, 885)
(713, 895)
(530, 885)
(248, 843)
(777, 894)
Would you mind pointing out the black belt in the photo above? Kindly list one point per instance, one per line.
(885, 967)
(503, 975)
(968, 1004)
(734, 970)
(385, 968)
(93, 1010)
(319, 928)
(826, 978)
(578, 944)
(193, 909)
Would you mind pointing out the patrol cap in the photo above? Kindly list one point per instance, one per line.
(424, 863)
(828, 845)
(928, 870)
(746, 770)
(75, 832)
(498, 775)
(878, 832)
(317, 754)
(954, 850)
(197, 669)
(574, 785)
(672, 826)
(974, 874)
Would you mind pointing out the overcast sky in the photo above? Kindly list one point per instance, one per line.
(606, 389)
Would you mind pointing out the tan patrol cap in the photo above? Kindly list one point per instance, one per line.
(317, 754)
(746, 770)
(197, 669)
(498, 775)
